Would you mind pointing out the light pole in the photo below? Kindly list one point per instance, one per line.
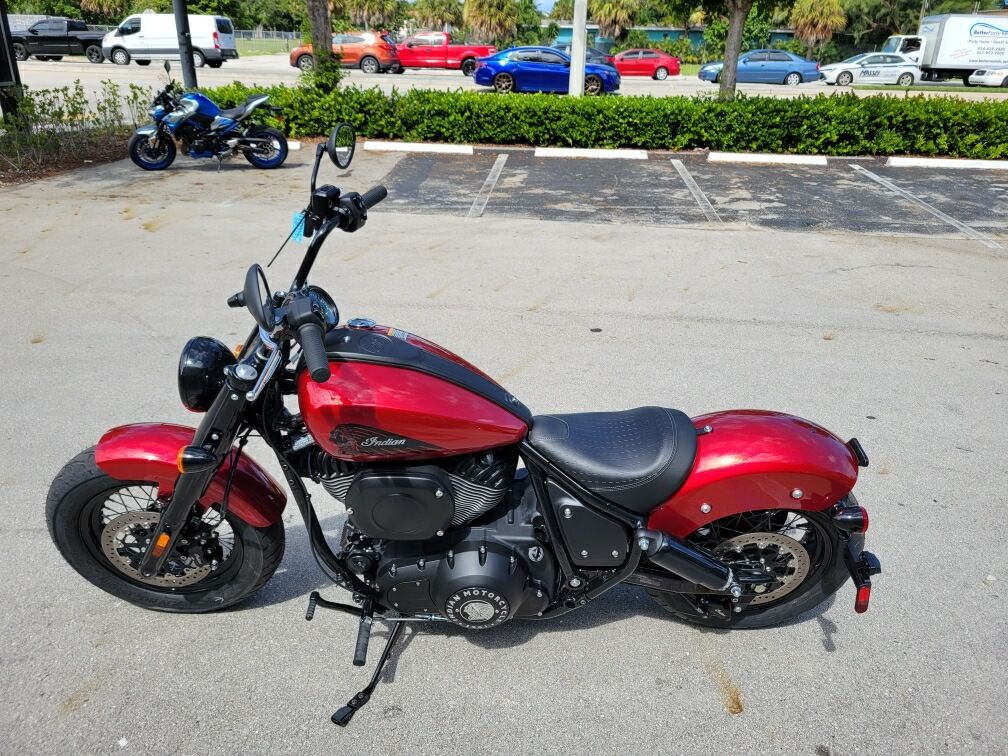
(578, 44)
(181, 9)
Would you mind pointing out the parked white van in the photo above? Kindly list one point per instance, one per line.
(152, 36)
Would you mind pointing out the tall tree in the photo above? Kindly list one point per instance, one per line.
(321, 34)
(871, 21)
(563, 10)
(814, 21)
(368, 13)
(613, 17)
(438, 14)
(491, 19)
(737, 12)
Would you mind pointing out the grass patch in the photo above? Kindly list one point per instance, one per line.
(249, 47)
(928, 88)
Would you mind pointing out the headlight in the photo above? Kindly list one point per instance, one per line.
(201, 372)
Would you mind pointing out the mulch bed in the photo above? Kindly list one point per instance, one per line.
(99, 150)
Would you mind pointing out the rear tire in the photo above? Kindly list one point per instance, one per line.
(198, 59)
(661, 73)
(468, 66)
(215, 63)
(20, 52)
(504, 83)
(793, 79)
(966, 81)
(143, 62)
(73, 514)
(905, 80)
(369, 64)
(279, 148)
(825, 576)
(1004, 83)
(94, 54)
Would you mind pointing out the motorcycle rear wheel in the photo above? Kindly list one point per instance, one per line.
(806, 544)
(277, 153)
(98, 523)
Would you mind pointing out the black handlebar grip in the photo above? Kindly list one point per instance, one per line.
(363, 638)
(310, 339)
(372, 197)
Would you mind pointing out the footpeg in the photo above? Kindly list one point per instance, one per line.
(312, 603)
(343, 716)
(363, 638)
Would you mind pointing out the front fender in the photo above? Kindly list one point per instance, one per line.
(148, 452)
(752, 460)
(148, 130)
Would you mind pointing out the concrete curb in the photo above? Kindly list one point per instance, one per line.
(765, 158)
(444, 149)
(954, 163)
(576, 152)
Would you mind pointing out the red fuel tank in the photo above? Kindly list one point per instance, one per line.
(395, 396)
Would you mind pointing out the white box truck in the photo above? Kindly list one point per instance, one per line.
(148, 36)
(954, 45)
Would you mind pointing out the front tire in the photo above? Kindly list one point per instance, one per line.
(306, 63)
(844, 78)
(94, 54)
(781, 532)
(21, 52)
(277, 151)
(120, 57)
(84, 512)
(151, 158)
(593, 85)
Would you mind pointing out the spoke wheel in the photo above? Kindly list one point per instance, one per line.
(504, 83)
(793, 79)
(593, 85)
(802, 550)
(844, 78)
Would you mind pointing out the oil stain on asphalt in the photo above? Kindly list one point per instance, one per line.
(731, 695)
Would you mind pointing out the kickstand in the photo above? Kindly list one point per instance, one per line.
(344, 715)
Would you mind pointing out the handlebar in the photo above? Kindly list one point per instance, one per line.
(372, 197)
(309, 336)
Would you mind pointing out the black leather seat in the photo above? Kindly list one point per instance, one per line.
(237, 113)
(636, 458)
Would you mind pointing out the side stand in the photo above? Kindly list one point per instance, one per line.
(344, 715)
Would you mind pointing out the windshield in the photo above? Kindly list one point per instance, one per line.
(856, 58)
(891, 45)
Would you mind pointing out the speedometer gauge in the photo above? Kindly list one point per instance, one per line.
(324, 305)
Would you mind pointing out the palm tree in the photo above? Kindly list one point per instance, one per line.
(814, 21)
(491, 19)
(438, 14)
(613, 16)
(368, 13)
(563, 10)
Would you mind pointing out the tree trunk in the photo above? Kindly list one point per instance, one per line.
(321, 33)
(738, 11)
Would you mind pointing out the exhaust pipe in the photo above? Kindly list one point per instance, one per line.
(688, 562)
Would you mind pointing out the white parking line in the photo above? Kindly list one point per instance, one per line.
(968, 230)
(478, 205)
(974, 165)
(444, 149)
(697, 192)
(765, 158)
(577, 152)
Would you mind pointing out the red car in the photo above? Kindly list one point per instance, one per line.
(653, 63)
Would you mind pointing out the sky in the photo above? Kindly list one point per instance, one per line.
(545, 5)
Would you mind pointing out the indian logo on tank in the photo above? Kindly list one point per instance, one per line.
(477, 608)
(361, 439)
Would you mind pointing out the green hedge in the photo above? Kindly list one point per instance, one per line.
(824, 125)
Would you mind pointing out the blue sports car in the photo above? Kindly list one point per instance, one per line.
(767, 67)
(540, 69)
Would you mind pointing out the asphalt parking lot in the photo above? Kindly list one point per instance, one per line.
(883, 322)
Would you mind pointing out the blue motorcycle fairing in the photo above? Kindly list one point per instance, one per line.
(205, 106)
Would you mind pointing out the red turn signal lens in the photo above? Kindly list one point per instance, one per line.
(863, 597)
(864, 519)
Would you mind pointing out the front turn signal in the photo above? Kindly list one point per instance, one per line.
(194, 459)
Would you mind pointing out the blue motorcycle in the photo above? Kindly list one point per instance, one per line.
(204, 131)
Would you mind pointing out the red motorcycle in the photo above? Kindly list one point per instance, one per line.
(462, 505)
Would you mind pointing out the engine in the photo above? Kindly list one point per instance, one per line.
(460, 538)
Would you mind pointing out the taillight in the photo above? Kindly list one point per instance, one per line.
(216, 40)
(851, 519)
(863, 597)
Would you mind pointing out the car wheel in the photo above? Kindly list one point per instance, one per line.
(215, 63)
(20, 51)
(94, 54)
(905, 80)
(306, 63)
(661, 73)
(844, 78)
(198, 59)
(1005, 82)
(120, 57)
(793, 79)
(593, 85)
(369, 65)
(504, 83)
(468, 66)
(143, 62)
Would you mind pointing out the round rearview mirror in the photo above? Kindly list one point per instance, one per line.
(341, 145)
(258, 298)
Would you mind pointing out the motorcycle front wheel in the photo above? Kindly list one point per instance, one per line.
(102, 525)
(803, 551)
(273, 153)
(149, 156)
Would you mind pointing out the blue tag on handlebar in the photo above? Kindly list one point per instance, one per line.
(297, 227)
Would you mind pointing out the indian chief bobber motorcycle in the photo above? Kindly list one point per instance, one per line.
(462, 505)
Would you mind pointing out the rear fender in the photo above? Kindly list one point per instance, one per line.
(148, 452)
(752, 460)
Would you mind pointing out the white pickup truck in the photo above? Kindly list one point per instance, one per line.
(953, 46)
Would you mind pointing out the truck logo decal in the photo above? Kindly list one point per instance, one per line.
(983, 29)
